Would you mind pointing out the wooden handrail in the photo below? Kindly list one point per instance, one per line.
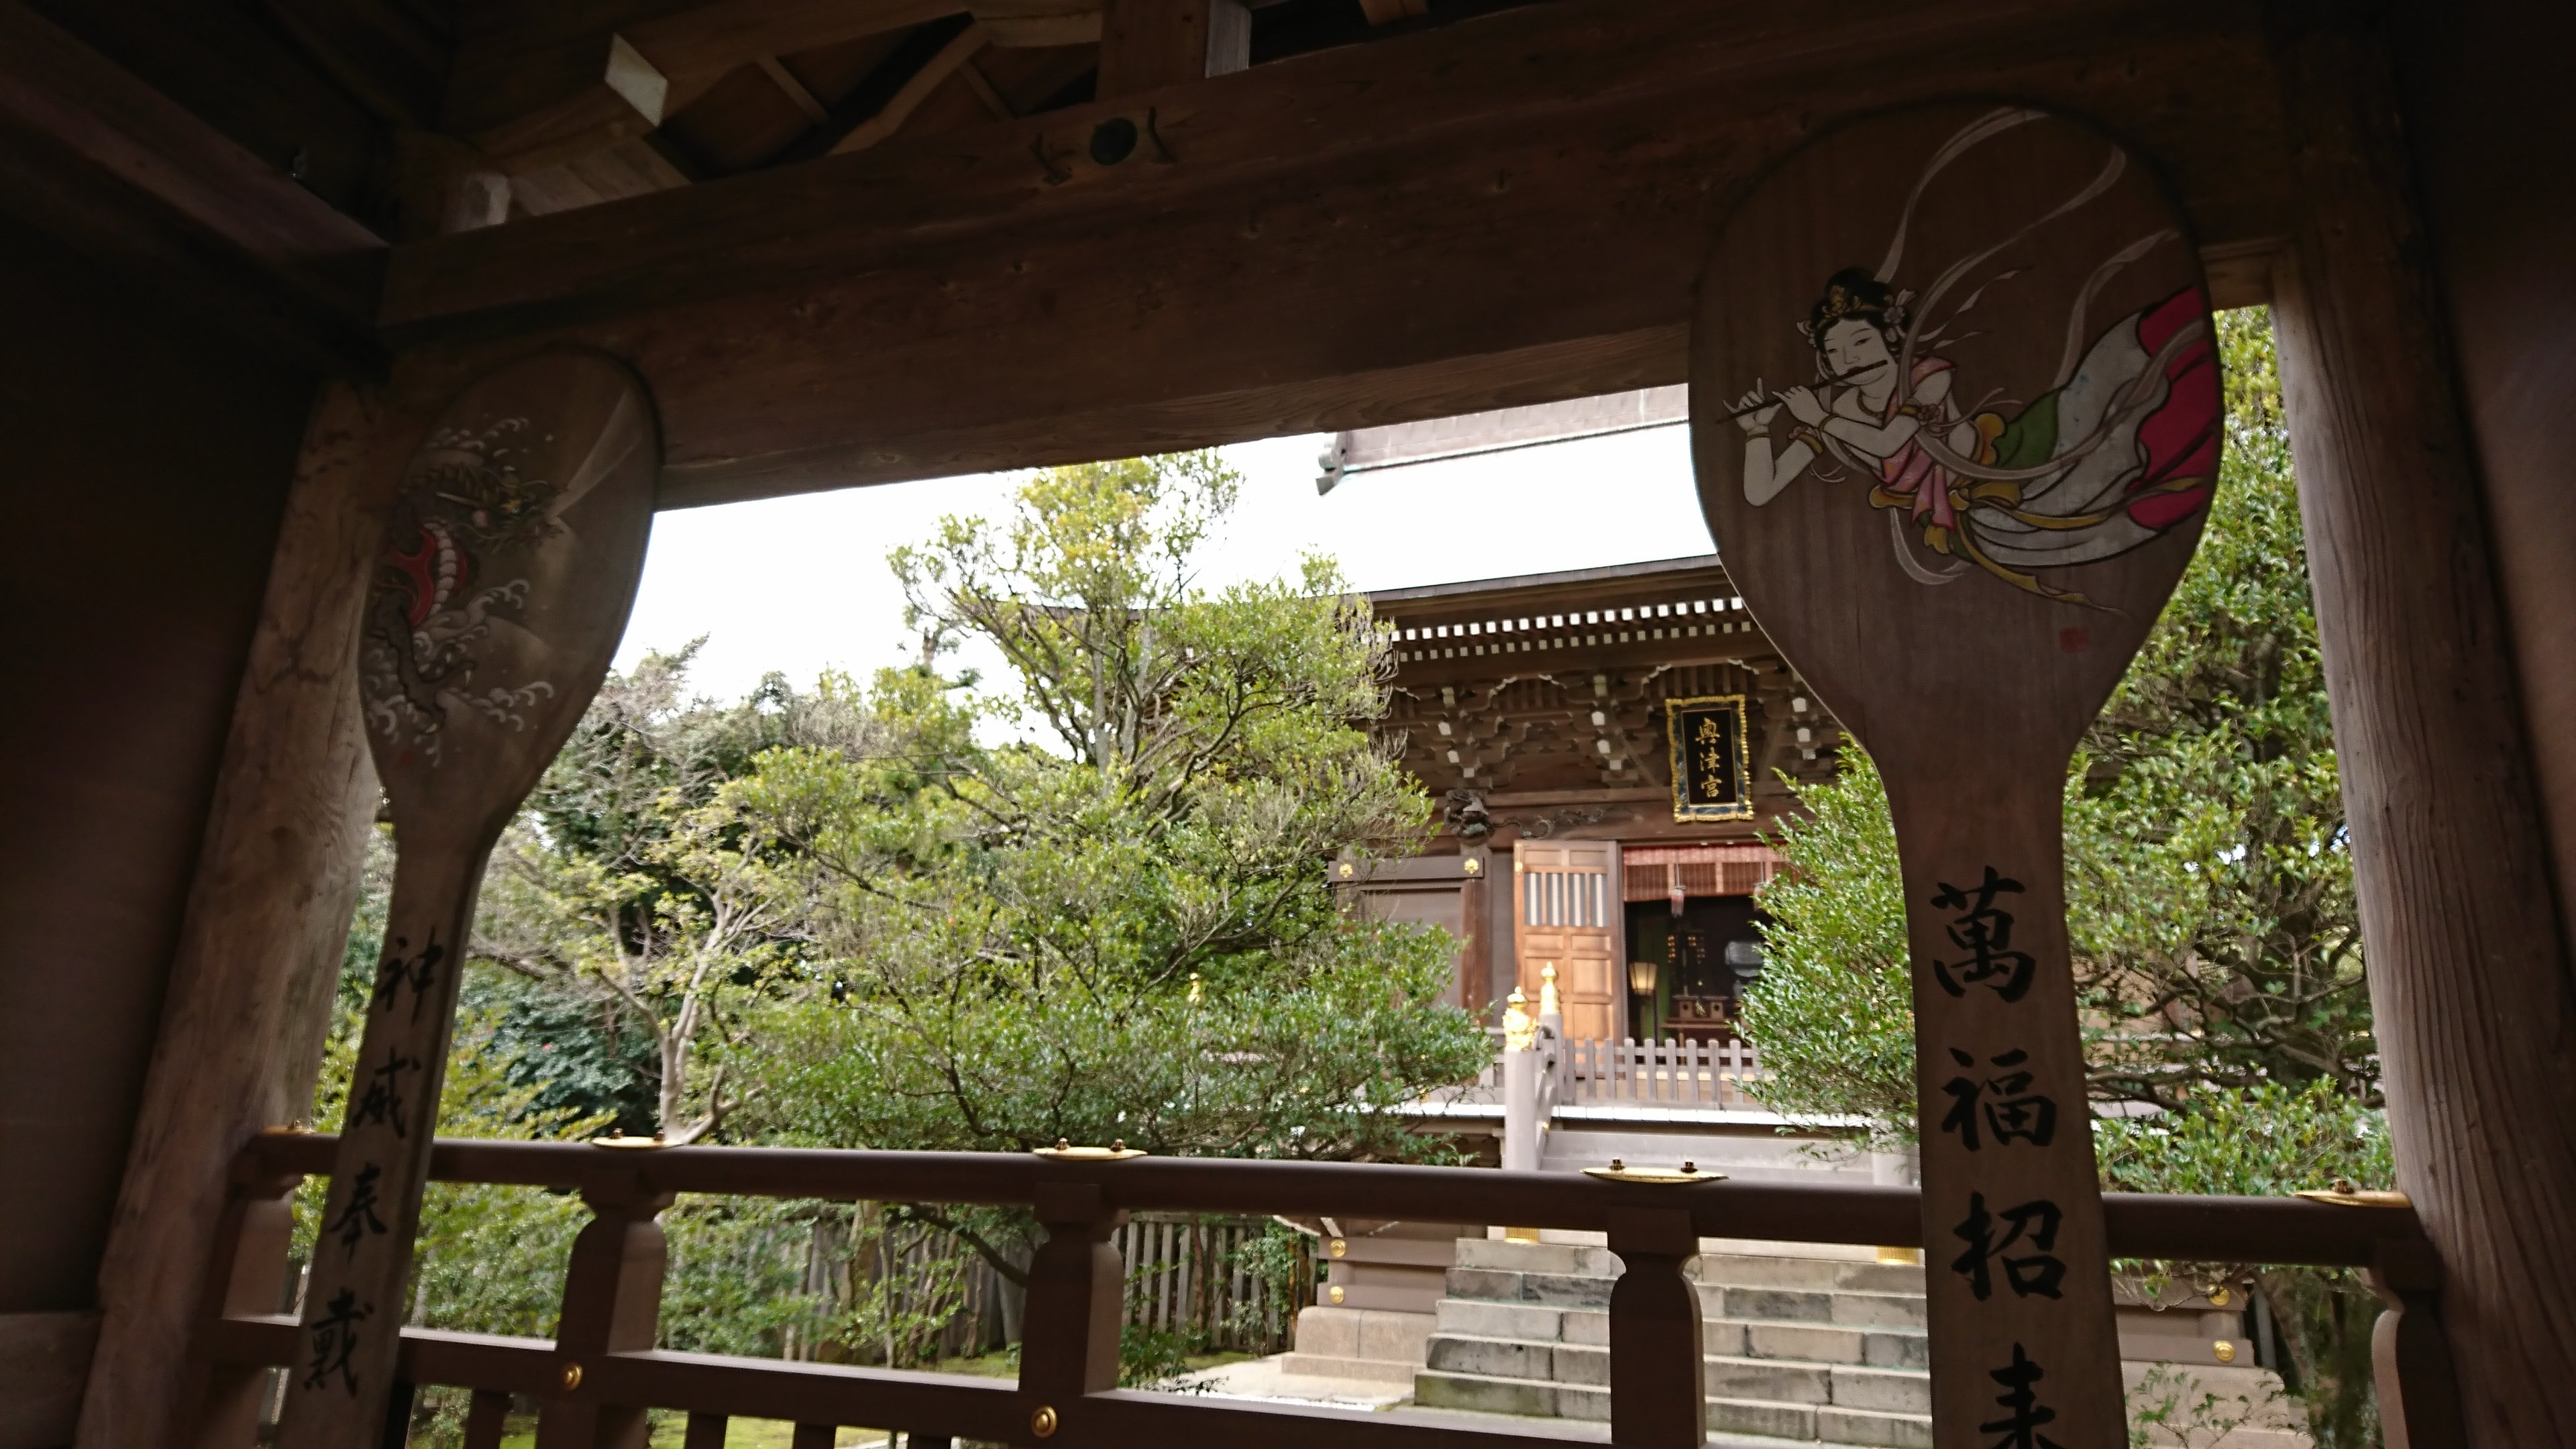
(2142, 1225)
(1069, 1352)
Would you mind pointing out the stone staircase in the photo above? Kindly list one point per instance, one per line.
(1818, 1350)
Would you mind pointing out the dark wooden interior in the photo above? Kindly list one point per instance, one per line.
(248, 248)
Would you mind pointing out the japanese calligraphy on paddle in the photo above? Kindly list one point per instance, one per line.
(509, 564)
(1954, 410)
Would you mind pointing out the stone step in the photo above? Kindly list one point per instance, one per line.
(1726, 1376)
(1530, 1398)
(1847, 1307)
(1751, 1270)
(1893, 1348)
(1793, 1423)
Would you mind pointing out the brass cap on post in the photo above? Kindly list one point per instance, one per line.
(1042, 1423)
(571, 1377)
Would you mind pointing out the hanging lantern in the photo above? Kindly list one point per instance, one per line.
(1641, 978)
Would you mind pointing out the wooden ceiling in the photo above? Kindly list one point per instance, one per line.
(386, 107)
(854, 241)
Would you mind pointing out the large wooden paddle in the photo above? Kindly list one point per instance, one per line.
(1955, 406)
(510, 563)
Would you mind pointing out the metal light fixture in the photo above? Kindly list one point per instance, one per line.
(1641, 978)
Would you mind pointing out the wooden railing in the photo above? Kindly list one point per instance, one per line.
(597, 1378)
(1693, 1073)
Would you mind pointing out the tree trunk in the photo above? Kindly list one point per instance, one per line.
(2475, 1013)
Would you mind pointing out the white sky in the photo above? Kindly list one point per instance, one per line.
(801, 585)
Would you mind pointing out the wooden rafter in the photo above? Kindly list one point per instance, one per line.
(536, 84)
(982, 85)
(898, 108)
(93, 154)
(1388, 12)
(794, 89)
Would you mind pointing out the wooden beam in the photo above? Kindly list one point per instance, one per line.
(976, 81)
(1506, 211)
(111, 165)
(899, 107)
(1149, 44)
(536, 84)
(1388, 12)
(2470, 984)
(794, 89)
(377, 50)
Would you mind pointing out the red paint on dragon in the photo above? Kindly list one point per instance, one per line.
(433, 572)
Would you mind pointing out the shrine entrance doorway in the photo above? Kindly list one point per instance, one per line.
(1569, 919)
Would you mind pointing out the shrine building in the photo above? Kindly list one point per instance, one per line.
(1606, 747)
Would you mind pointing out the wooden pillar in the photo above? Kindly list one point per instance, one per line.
(1077, 1299)
(1656, 1397)
(612, 1303)
(1145, 44)
(2469, 983)
(268, 914)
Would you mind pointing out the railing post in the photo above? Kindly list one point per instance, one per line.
(612, 1303)
(248, 1279)
(1520, 1110)
(2419, 1401)
(1076, 1302)
(1656, 1365)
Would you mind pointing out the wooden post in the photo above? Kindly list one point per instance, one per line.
(2469, 982)
(259, 952)
(1656, 1396)
(2410, 1368)
(612, 1303)
(1077, 1299)
(247, 1276)
(1145, 44)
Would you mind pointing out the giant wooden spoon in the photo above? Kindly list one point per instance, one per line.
(1959, 529)
(508, 569)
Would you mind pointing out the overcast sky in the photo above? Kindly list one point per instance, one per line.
(801, 585)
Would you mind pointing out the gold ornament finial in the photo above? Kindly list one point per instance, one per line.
(1547, 990)
(1520, 1032)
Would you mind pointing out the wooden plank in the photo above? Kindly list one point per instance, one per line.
(44, 1361)
(1993, 587)
(1242, 290)
(108, 163)
(541, 519)
(2449, 852)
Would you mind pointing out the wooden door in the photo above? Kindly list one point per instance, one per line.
(1569, 917)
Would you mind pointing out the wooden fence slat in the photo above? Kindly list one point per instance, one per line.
(706, 1431)
(485, 1415)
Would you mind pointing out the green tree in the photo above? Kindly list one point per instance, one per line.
(1119, 926)
(634, 914)
(2265, 1141)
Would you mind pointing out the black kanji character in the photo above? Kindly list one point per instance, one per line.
(383, 1100)
(397, 971)
(2033, 1273)
(335, 1342)
(1985, 932)
(2020, 1427)
(2005, 1103)
(359, 1218)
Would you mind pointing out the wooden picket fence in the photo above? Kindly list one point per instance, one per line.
(1184, 1276)
(1679, 1073)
